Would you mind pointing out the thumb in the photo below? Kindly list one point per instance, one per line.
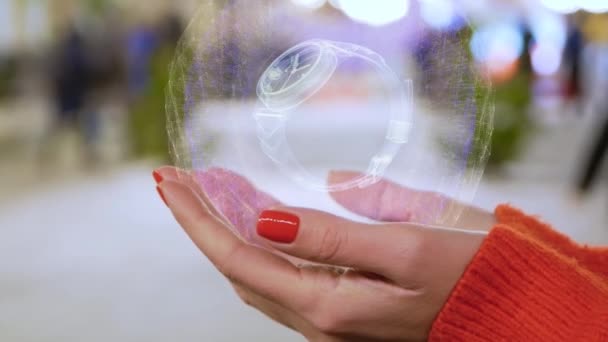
(391, 202)
(395, 251)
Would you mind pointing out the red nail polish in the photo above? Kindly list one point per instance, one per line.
(278, 226)
(162, 196)
(157, 177)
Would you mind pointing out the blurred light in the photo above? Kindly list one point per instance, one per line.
(376, 13)
(549, 28)
(335, 3)
(594, 6)
(498, 45)
(546, 59)
(312, 4)
(438, 14)
(476, 10)
(571, 6)
(550, 33)
(561, 6)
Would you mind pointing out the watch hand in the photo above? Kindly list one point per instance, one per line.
(295, 63)
(292, 69)
(302, 68)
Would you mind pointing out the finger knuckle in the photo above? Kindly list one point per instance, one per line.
(331, 241)
(409, 254)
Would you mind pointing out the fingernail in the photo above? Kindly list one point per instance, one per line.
(278, 226)
(162, 196)
(157, 177)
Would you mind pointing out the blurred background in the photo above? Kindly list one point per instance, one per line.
(89, 253)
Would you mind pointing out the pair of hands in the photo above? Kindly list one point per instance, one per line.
(394, 277)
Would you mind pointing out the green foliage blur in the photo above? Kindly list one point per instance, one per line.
(147, 120)
(511, 120)
(8, 74)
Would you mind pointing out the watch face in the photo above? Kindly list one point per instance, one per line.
(287, 71)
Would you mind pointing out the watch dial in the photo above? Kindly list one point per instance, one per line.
(290, 68)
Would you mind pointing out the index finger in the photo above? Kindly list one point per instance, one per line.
(264, 273)
(228, 195)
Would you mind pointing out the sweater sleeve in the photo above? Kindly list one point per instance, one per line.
(528, 283)
(593, 258)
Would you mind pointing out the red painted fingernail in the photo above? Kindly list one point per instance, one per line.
(162, 196)
(157, 177)
(278, 226)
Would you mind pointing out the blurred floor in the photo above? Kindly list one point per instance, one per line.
(95, 256)
(100, 259)
(91, 254)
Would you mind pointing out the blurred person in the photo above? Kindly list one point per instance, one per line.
(596, 67)
(141, 42)
(108, 96)
(596, 155)
(573, 59)
(71, 79)
(144, 42)
(505, 276)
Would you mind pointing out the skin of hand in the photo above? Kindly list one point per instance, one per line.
(391, 279)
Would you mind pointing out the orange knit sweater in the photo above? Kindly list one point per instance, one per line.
(528, 283)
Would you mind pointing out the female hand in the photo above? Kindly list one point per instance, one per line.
(394, 277)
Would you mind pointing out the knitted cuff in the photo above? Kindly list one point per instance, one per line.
(595, 259)
(519, 289)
